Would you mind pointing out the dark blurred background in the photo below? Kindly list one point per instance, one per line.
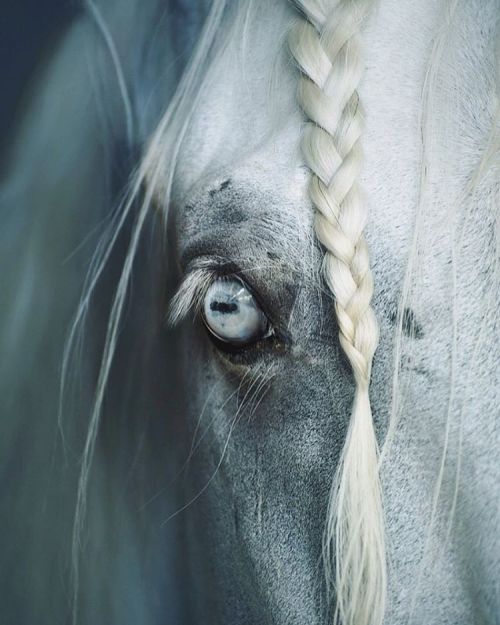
(29, 31)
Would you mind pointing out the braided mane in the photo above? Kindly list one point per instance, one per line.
(326, 46)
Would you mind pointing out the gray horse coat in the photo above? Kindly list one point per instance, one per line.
(208, 489)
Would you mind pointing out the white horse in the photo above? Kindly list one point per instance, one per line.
(228, 167)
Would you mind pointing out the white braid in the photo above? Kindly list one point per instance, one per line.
(326, 46)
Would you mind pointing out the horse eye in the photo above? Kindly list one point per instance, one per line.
(232, 314)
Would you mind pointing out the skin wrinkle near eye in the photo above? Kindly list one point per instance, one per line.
(232, 210)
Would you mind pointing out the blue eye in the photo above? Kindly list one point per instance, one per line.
(232, 314)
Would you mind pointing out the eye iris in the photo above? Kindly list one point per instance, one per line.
(232, 314)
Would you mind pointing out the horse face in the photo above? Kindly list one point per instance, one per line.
(265, 422)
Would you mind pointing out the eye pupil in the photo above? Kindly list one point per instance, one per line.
(223, 307)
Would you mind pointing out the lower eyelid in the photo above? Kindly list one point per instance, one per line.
(244, 354)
